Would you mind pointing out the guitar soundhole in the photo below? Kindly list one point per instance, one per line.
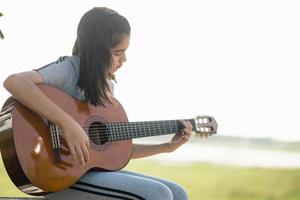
(98, 133)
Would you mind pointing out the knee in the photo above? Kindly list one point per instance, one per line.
(159, 192)
(180, 193)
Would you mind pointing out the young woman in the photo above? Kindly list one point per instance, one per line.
(100, 50)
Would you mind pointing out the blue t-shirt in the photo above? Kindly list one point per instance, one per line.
(64, 74)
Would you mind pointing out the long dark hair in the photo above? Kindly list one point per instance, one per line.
(99, 30)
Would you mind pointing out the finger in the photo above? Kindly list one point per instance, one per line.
(187, 131)
(184, 123)
(85, 152)
(185, 136)
(190, 125)
(88, 144)
(79, 155)
(72, 151)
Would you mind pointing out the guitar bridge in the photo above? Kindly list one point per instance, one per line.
(55, 140)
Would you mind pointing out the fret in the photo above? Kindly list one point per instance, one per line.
(111, 136)
(192, 121)
(130, 130)
(118, 128)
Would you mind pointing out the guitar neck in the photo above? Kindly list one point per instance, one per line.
(131, 130)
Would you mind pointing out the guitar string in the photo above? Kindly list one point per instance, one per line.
(62, 139)
(124, 126)
(55, 139)
(129, 124)
(121, 128)
(96, 135)
(56, 142)
(134, 124)
(120, 137)
(144, 128)
(52, 137)
(95, 131)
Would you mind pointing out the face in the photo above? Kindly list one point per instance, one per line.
(119, 55)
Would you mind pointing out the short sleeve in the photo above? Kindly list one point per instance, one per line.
(58, 73)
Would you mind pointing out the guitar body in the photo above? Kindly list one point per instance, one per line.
(27, 147)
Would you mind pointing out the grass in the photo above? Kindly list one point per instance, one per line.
(7, 188)
(209, 182)
(216, 182)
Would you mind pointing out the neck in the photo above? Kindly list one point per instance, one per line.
(130, 130)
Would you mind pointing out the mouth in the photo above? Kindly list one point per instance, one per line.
(119, 66)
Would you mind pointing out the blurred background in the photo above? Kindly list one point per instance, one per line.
(234, 60)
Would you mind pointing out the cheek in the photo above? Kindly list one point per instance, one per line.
(114, 64)
(115, 60)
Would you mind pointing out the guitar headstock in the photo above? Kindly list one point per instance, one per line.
(205, 126)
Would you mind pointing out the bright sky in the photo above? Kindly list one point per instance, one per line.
(236, 60)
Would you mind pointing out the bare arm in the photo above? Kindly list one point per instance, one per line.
(145, 150)
(23, 87)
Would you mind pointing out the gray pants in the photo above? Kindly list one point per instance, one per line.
(121, 185)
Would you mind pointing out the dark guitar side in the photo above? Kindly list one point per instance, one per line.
(28, 148)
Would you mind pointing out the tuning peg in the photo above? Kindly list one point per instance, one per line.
(203, 119)
(205, 129)
(199, 134)
(203, 134)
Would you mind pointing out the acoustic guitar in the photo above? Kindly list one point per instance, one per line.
(37, 158)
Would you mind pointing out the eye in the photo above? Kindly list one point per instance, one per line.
(118, 53)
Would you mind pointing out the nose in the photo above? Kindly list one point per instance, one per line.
(124, 58)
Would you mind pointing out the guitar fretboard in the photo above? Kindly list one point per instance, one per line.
(130, 130)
